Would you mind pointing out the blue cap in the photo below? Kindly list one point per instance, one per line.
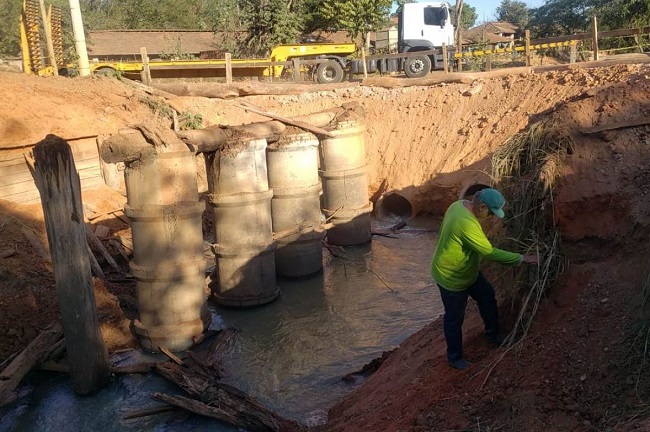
(493, 199)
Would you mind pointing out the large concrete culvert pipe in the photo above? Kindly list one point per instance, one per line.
(396, 205)
(240, 201)
(166, 223)
(344, 177)
(468, 191)
(295, 207)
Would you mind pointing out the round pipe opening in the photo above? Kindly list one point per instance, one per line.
(394, 205)
(469, 191)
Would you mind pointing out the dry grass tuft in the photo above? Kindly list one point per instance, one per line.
(525, 169)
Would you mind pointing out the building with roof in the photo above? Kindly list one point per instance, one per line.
(496, 34)
(126, 44)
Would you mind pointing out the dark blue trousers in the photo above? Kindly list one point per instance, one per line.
(455, 304)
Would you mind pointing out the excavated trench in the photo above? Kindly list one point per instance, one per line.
(426, 148)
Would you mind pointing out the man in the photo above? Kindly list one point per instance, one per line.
(455, 268)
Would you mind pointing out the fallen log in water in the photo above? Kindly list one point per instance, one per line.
(222, 401)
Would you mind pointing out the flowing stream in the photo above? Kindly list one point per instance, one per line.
(290, 354)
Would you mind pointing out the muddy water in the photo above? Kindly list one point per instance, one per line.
(290, 354)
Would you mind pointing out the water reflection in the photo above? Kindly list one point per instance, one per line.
(290, 354)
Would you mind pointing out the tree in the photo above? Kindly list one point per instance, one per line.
(468, 16)
(271, 22)
(562, 17)
(9, 35)
(623, 13)
(357, 17)
(514, 12)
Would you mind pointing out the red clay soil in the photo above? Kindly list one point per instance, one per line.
(578, 369)
(583, 367)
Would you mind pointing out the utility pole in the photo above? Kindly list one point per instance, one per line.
(459, 33)
(79, 37)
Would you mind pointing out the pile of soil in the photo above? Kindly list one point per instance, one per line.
(427, 143)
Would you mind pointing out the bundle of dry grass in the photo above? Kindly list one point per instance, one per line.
(525, 169)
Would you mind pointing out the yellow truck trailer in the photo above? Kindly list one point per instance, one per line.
(328, 71)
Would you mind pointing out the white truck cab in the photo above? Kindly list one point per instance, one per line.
(423, 26)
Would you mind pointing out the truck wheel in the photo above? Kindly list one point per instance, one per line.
(417, 66)
(329, 72)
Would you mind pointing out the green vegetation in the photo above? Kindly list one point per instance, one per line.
(270, 22)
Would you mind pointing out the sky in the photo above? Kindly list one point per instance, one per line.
(486, 9)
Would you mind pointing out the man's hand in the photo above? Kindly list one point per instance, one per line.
(531, 259)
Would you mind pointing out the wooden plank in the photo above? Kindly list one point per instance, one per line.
(624, 32)
(60, 189)
(228, 68)
(575, 37)
(28, 183)
(21, 173)
(26, 360)
(618, 125)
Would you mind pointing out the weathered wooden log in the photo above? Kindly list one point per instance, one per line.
(247, 88)
(439, 78)
(102, 249)
(213, 138)
(292, 122)
(193, 380)
(58, 183)
(617, 125)
(202, 409)
(35, 352)
(146, 412)
(139, 142)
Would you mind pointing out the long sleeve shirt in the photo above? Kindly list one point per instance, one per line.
(461, 245)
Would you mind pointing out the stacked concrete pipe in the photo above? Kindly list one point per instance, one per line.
(240, 200)
(344, 178)
(166, 223)
(295, 207)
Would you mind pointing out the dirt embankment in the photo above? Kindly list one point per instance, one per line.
(426, 143)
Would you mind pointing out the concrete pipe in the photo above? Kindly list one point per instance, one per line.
(243, 219)
(347, 189)
(163, 233)
(293, 162)
(238, 168)
(346, 150)
(468, 191)
(291, 207)
(172, 307)
(351, 227)
(396, 204)
(162, 179)
(244, 276)
(300, 254)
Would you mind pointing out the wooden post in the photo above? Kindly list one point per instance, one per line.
(527, 41)
(594, 37)
(296, 70)
(445, 60)
(488, 63)
(146, 72)
(228, 68)
(48, 39)
(58, 183)
(574, 52)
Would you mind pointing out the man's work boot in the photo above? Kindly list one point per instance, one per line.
(460, 364)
